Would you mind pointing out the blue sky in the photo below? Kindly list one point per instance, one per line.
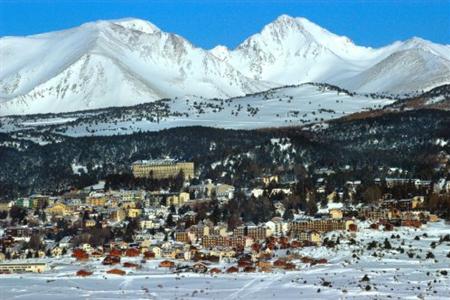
(207, 23)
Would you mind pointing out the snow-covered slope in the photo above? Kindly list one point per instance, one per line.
(131, 61)
(112, 63)
(287, 106)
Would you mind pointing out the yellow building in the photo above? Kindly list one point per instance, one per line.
(269, 178)
(128, 204)
(336, 213)
(134, 212)
(177, 200)
(96, 200)
(90, 223)
(162, 168)
(417, 202)
(117, 215)
(39, 201)
(5, 207)
(59, 209)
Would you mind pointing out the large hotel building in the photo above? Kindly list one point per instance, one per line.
(162, 168)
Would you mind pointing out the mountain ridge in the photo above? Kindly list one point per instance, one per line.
(130, 61)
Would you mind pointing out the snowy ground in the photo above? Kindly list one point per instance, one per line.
(393, 276)
(287, 106)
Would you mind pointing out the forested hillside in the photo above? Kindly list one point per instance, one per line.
(416, 141)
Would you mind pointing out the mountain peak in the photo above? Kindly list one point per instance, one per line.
(221, 52)
(137, 24)
(284, 19)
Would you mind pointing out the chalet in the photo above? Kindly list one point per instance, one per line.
(215, 271)
(279, 263)
(411, 223)
(149, 255)
(115, 252)
(167, 264)
(130, 265)
(157, 251)
(132, 252)
(56, 251)
(223, 253)
(249, 269)
(296, 244)
(374, 226)
(232, 269)
(97, 253)
(80, 254)
(266, 269)
(200, 268)
(111, 260)
(289, 266)
(83, 273)
(388, 227)
(433, 218)
(242, 263)
(307, 260)
(353, 227)
(116, 272)
(263, 264)
(87, 247)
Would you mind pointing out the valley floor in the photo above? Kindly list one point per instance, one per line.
(393, 276)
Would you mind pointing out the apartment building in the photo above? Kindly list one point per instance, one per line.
(162, 168)
(320, 225)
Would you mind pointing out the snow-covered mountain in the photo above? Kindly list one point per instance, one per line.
(131, 61)
(110, 63)
(293, 50)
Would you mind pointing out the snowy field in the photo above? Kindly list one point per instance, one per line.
(393, 276)
(287, 106)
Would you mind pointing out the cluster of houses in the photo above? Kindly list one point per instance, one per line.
(196, 244)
